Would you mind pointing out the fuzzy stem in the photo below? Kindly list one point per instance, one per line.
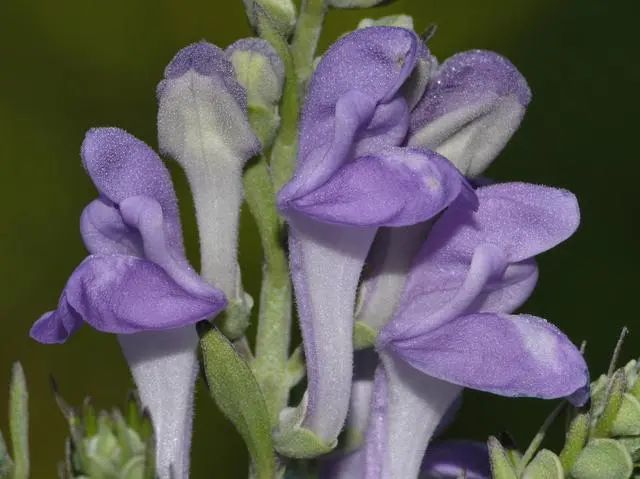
(305, 38)
(274, 324)
(285, 145)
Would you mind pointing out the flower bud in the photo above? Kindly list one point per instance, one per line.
(281, 12)
(260, 71)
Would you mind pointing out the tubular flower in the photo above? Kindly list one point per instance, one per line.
(352, 177)
(203, 125)
(452, 328)
(137, 283)
(473, 104)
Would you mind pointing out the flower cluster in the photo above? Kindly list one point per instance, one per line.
(396, 246)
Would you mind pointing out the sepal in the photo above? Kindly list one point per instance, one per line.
(260, 71)
(281, 13)
(603, 459)
(293, 440)
(501, 465)
(546, 465)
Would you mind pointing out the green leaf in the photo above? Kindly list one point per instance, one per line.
(19, 422)
(501, 465)
(603, 459)
(6, 464)
(615, 394)
(364, 336)
(237, 394)
(627, 421)
(546, 465)
(575, 440)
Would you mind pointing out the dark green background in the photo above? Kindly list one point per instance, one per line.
(69, 65)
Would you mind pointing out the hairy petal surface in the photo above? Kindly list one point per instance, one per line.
(124, 295)
(473, 105)
(203, 124)
(354, 94)
(164, 365)
(122, 166)
(407, 407)
(509, 355)
(395, 187)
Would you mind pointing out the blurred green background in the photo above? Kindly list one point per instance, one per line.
(73, 64)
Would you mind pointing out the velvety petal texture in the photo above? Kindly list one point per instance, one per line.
(351, 177)
(473, 105)
(124, 294)
(203, 125)
(353, 105)
(509, 355)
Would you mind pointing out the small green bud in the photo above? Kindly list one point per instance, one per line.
(282, 13)
(107, 445)
(546, 465)
(501, 465)
(364, 336)
(603, 459)
(260, 71)
(402, 21)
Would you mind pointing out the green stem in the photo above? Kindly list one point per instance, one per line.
(537, 440)
(283, 153)
(274, 324)
(19, 422)
(306, 36)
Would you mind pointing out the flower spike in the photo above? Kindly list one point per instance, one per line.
(352, 177)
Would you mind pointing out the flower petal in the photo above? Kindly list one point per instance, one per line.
(124, 294)
(509, 355)
(104, 232)
(454, 459)
(472, 106)
(122, 166)
(397, 187)
(522, 219)
(360, 73)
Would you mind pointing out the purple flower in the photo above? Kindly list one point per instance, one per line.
(353, 176)
(473, 104)
(453, 329)
(137, 283)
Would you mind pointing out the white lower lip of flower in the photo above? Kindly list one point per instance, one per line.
(164, 366)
